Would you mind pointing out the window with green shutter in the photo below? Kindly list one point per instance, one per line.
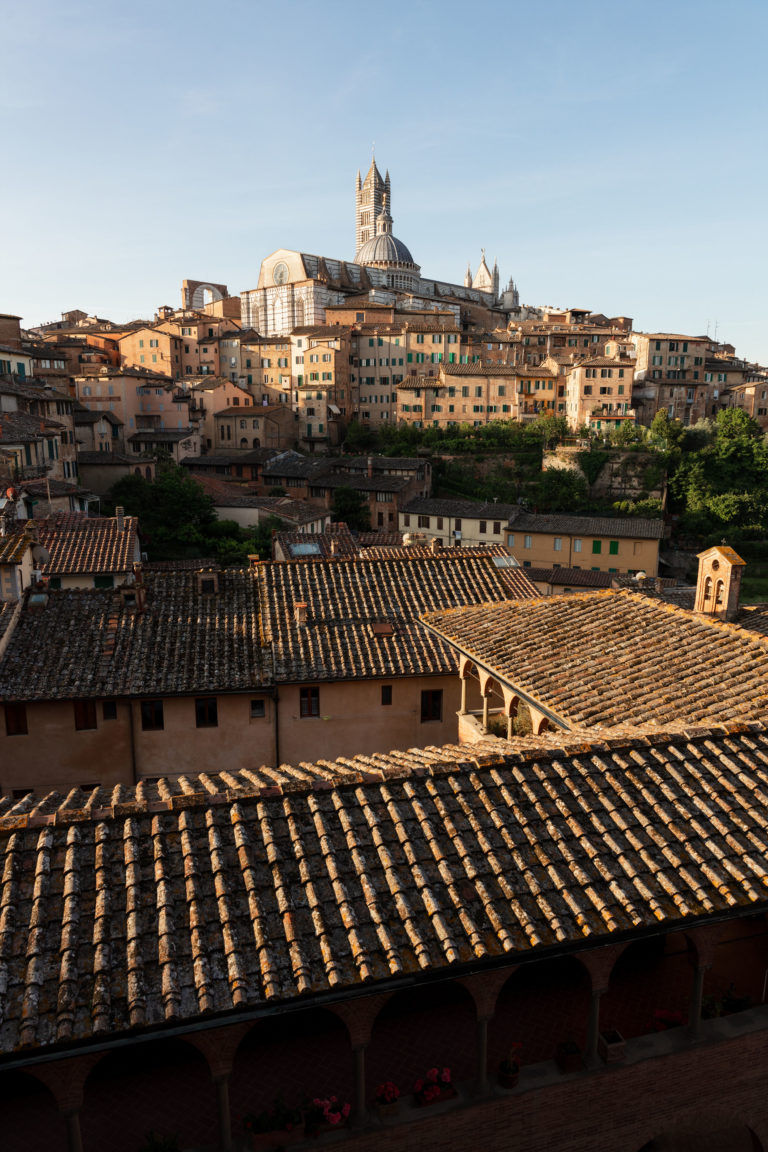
(613, 548)
(597, 547)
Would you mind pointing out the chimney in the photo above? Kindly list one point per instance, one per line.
(300, 614)
(435, 545)
(120, 517)
(370, 467)
(334, 547)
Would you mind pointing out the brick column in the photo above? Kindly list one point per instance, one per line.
(225, 1116)
(361, 1111)
(463, 708)
(694, 1006)
(485, 712)
(593, 1028)
(74, 1136)
(482, 1056)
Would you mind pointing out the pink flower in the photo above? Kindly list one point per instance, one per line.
(346, 1110)
(418, 1086)
(333, 1117)
(445, 1075)
(432, 1075)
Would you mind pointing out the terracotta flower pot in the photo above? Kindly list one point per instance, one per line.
(508, 1079)
(387, 1109)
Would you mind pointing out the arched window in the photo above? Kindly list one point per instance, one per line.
(708, 588)
(243, 442)
(719, 594)
(256, 443)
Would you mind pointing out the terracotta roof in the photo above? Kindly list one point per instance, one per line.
(293, 464)
(89, 643)
(345, 598)
(80, 543)
(21, 427)
(489, 369)
(754, 618)
(216, 459)
(130, 908)
(461, 509)
(157, 435)
(615, 657)
(193, 564)
(579, 577)
(334, 540)
(13, 547)
(379, 482)
(101, 458)
(634, 528)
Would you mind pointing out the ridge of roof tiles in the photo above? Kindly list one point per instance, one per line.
(130, 908)
(610, 657)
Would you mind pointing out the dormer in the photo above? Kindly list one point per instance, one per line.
(718, 586)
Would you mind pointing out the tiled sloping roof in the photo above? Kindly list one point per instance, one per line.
(377, 483)
(107, 458)
(20, 427)
(615, 657)
(13, 547)
(295, 543)
(380, 539)
(461, 509)
(87, 643)
(88, 544)
(214, 459)
(126, 908)
(636, 528)
(578, 577)
(157, 435)
(489, 369)
(294, 465)
(346, 597)
(754, 618)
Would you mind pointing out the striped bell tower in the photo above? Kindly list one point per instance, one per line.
(370, 197)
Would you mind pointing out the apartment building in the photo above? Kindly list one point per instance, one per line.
(671, 373)
(598, 393)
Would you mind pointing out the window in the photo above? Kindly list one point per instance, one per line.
(423, 521)
(558, 543)
(483, 527)
(577, 545)
(109, 710)
(613, 548)
(386, 694)
(497, 527)
(103, 581)
(16, 720)
(258, 709)
(527, 542)
(597, 547)
(206, 712)
(309, 702)
(152, 715)
(431, 705)
(85, 714)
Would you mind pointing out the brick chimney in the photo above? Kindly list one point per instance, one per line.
(435, 545)
(370, 467)
(300, 614)
(120, 518)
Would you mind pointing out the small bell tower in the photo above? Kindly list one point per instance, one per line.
(718, 586)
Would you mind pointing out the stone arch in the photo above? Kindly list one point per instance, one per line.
(147, 472)
(541, 1004)
(30, 1114)
(204, 293)
(511, 701)
(434, 1024)
(719, 594)
(243, 441)
(297, 1055)
(138, 471)
(256, 442)
(708, 590)
(651, 976)
(170, 1077)
(539, 722)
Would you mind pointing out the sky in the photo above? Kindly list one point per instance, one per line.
(611, 156)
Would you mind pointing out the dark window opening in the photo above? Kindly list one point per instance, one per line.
(16, 720)
(85, 714)
(258, 709)
(431, 704)
(109, 710)
(152, 715)
(206, 712)
(386, 694)
(309, 701)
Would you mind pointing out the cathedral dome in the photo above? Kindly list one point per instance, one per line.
(384, 248)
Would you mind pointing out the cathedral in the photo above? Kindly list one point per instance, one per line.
(295, 288)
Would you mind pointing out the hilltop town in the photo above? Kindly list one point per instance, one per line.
(384, 726)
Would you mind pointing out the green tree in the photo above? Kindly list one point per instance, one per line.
(351, 507)
(560, 490)
(552, 429)
(667, 434)
(175, 514)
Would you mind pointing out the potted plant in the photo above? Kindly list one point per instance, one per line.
(326, 1114)
(509, 1068)
(568, 1056)
(433, 1086)
(387, 1099)
(665, 1018)
(275, 1127)
(612, 1046)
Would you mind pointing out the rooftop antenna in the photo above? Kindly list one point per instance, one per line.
(708, 323)
(716, 326)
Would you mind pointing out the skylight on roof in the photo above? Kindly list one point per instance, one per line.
(506, 562)
(311, 548)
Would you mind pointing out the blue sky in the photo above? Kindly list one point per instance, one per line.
(610, 155)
